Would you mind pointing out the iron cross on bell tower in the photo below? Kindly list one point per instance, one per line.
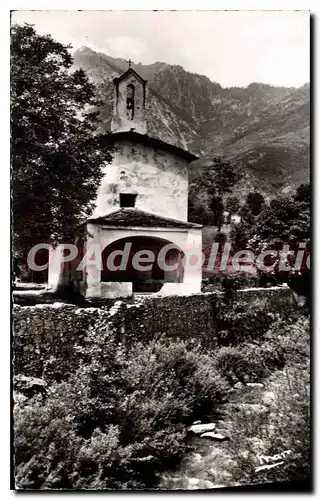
(129, 62)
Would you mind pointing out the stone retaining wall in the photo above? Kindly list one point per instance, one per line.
(46, 332)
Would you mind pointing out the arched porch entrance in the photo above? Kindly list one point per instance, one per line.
(146, 262)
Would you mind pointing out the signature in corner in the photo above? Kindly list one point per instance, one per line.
(268, 462)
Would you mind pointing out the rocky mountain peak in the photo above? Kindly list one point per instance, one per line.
(263, 128)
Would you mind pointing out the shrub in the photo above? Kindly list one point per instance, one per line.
(280, 420)
(282, 424)
(250, 362)
(232, 283)
(285, 341)
(293, 336)
(118, 420)
(237, 323)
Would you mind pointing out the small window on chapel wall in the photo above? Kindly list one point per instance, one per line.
(130, 101)
(127, 200)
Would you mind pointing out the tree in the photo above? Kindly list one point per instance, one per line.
(221, 177)
(303, 195)
(217, 209)
(284, 221)
(254, 202)
(57, 154)
(239, 235)
(198, 212)
(214, 183)
(232, 204)
(246, 215)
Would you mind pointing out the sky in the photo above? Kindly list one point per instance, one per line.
(233, 48)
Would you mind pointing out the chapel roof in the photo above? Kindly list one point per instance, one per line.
(134, 217)
(151, 141)
(128, 72)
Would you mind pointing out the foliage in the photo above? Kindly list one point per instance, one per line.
(119, 420)
(232, 204)
(285, 220)
(293, 336)
(236, 323)
(284, 342)
(261, 420)
(246, 215)
(56, 154)
(242, 357)
(206, 192)
(280, 423)
(231, 283)
(254, 202)
(221, 177)
(280, 418)
(249, 362)
(217, 209)
(198, 212)
(285, 420)
(239, 234)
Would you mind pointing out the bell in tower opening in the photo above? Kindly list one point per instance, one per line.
(129, 103)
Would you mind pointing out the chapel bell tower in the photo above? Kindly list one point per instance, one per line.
(129, 103)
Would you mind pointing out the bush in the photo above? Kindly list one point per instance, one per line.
(293, 336)
(118, 420)
(248, 363)
(227, 284)
(284, 342)
(236, 324)
(280, 419)
(282, 423)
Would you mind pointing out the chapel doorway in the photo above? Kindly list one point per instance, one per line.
(160, 262)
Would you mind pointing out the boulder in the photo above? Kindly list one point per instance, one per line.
(148, 459)
(238, 385)
(254, 384)
(201, 428)
(195, 483)
(18, 397)
(29, 386)
(268, 397)
(196, 422)
(214, 436)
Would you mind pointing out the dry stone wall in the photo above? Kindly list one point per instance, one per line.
(46, 334)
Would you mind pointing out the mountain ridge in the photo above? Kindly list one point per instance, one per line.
(263, 129)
